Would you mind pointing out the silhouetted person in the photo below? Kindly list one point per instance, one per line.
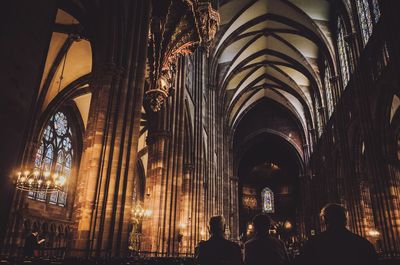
(31, 246)
(217, 250)
(337, 245)
(263, 248)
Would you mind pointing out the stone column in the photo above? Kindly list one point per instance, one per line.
(185, 220)
(102, 208)
(165, 172)
(157, 142)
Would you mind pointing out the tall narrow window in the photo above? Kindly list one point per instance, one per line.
(328, 90)
(368, 15)
(320, 125)
(267, 201)
(55, 154)
(376, 10)
(343, 55)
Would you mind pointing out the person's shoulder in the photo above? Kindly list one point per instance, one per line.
(231, 243)
(318, 237)
(355, 236)
(316, 240)
(360, 240)
(202, 244)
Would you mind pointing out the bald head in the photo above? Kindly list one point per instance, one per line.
(217, 225)
(334, 215)
(262, 223)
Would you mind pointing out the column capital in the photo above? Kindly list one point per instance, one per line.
(156, 135)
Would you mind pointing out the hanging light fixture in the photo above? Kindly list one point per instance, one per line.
(37, 181)
(139, 213)
(373, 233)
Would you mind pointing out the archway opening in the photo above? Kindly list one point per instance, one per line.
(269, 183)
(268, 163)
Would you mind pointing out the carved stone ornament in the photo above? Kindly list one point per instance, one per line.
(156, 95)
(155, 98)
(208, 22)
(177, 28)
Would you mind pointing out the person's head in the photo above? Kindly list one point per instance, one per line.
(261, 223)
(334, 215)
(35, 233)
(217, 225)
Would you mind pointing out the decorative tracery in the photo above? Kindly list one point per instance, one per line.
(368, 15)
(55, 154)
(177, 28)
(267, 197)
(342, 51)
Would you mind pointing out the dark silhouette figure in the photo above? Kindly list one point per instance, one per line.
(337, 245)
(217, 250)
(31, 247)
(264, 249)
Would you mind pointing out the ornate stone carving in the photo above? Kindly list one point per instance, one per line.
(156, 95)
(208, 22)
(177, 28)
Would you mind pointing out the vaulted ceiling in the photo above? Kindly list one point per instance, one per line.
(271, 49)
(67, 68)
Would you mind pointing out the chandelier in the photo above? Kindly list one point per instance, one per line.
(138, 212)
(37, 181)
(373, 233)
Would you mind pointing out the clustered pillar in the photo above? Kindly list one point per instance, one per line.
(102, 208)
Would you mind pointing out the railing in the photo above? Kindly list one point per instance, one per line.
(47, 253)
(101, 261)
(124, 261)
(148, 254)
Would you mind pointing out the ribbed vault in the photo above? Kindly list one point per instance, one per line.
(271, 49)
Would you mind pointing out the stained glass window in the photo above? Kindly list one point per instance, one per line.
(343, 55)
(320, 125)
(328, 90)
(55, 154)
(267, 201)
(376, 11)
(368, 15)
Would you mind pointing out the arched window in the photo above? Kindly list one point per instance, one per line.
(368, 15)
(267, 201)
(343, 55)
(55, 154)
